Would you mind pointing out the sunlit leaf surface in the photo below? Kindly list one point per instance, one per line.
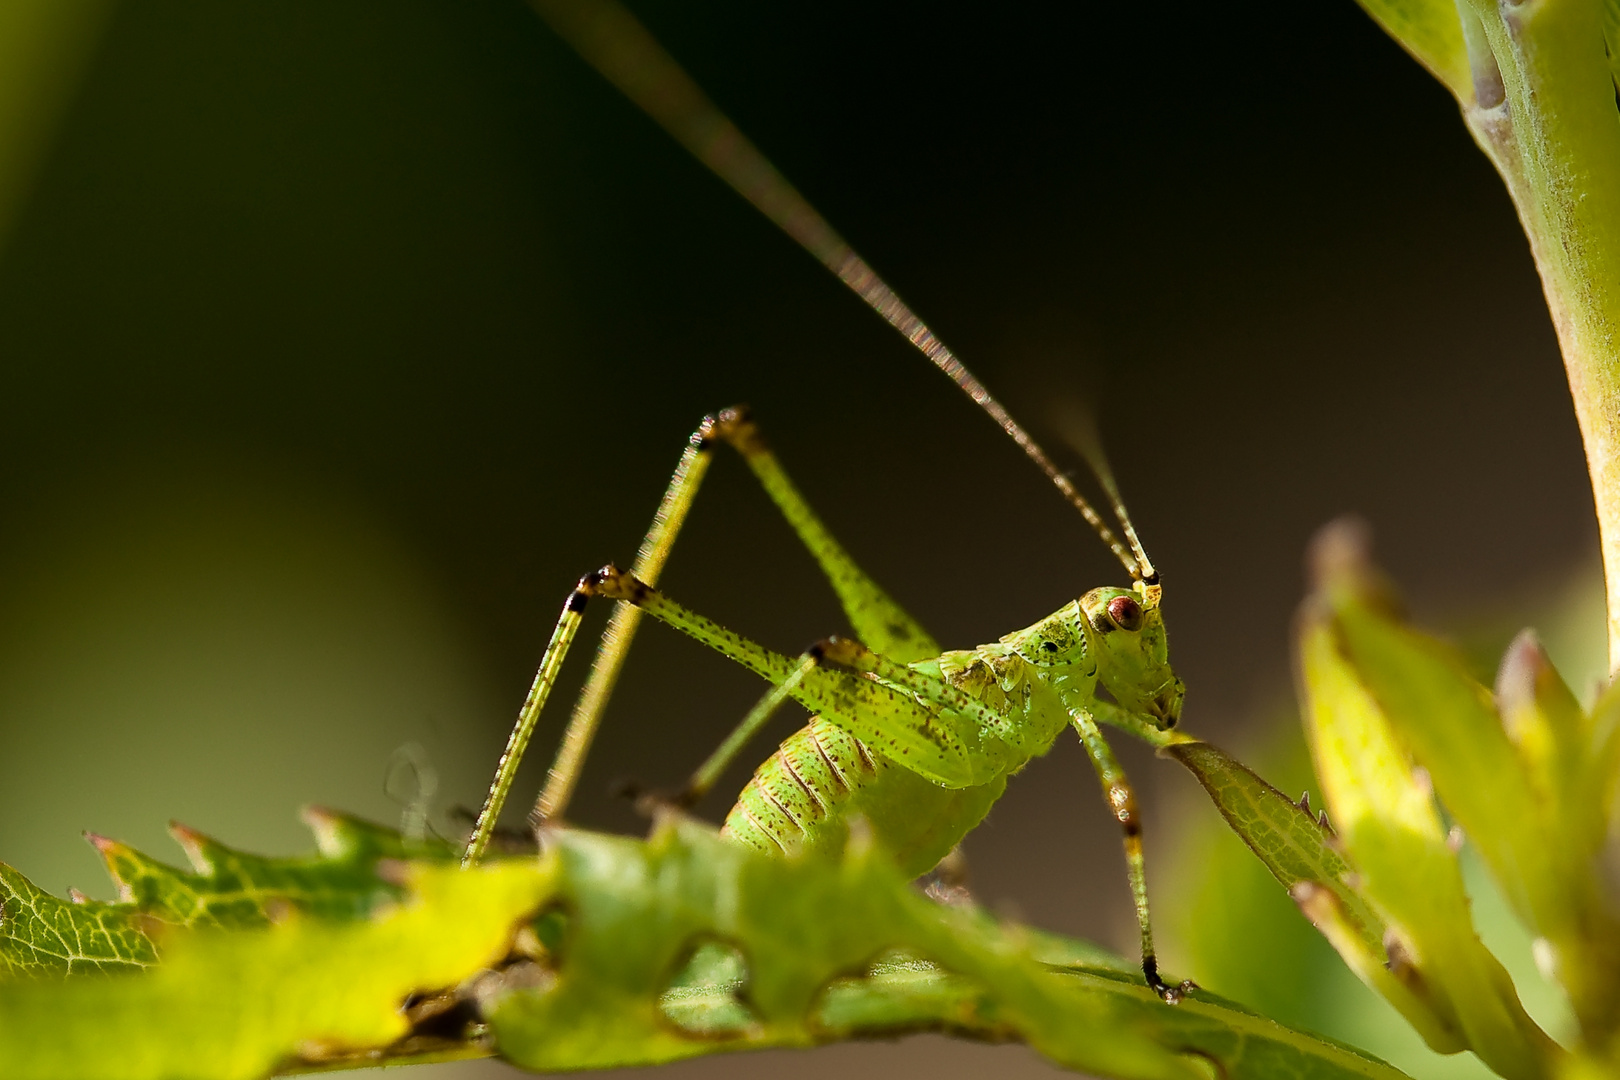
(602, 951)
(1435, 971)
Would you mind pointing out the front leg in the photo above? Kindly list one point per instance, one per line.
(1122, 803)
(1141, 725)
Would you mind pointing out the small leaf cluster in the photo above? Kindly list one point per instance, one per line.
(1415, 757)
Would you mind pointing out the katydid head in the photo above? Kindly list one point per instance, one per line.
(1125, 629)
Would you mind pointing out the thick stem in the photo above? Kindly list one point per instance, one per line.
(1543, 109)
(1555, 138)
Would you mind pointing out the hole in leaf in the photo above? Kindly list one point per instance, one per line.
(899, 991)
(543, 938)
(530, 966)
(704, 998)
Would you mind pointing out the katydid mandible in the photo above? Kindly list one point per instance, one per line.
(917, 742)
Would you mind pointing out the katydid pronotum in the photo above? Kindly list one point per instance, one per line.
(917, 742)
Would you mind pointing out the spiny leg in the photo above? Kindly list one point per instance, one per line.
(621, 629)
(879, 715)
(935, 691)
(1122, 801)
(873, 615)
(561, 638)
(944, 747)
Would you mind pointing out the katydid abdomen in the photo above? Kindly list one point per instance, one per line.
(804, 796)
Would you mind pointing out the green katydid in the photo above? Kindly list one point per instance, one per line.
(917, 742)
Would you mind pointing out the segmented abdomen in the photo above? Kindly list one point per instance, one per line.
(815, 770)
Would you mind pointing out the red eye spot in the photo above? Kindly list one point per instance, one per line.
(1126, 613)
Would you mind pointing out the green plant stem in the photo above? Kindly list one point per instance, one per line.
(1542, 107)
(1536, 83)
(1537, 91)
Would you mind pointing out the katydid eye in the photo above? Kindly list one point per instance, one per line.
(1126, 613)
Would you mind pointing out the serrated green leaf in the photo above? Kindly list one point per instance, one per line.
(42, 935)
(680, 945)
(838, 950)
(636, 908)
(1297, 848)
(228, 1005)
(231, 889)
(1301, 853)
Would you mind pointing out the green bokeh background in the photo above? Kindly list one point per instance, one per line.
(337, 340)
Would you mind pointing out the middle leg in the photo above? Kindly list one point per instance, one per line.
(1122, 802)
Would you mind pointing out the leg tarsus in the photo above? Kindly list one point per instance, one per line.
(1122, 801)
(1170, 995)
(562, 636)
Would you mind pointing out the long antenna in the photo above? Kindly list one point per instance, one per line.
(1078, 426)
(614, 42)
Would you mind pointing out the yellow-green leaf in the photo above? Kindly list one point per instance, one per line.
(1431, 31)
(1384, 812)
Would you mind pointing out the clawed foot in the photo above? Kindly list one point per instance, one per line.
(1170, 995)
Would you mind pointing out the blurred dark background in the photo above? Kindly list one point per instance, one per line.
(337, 340)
